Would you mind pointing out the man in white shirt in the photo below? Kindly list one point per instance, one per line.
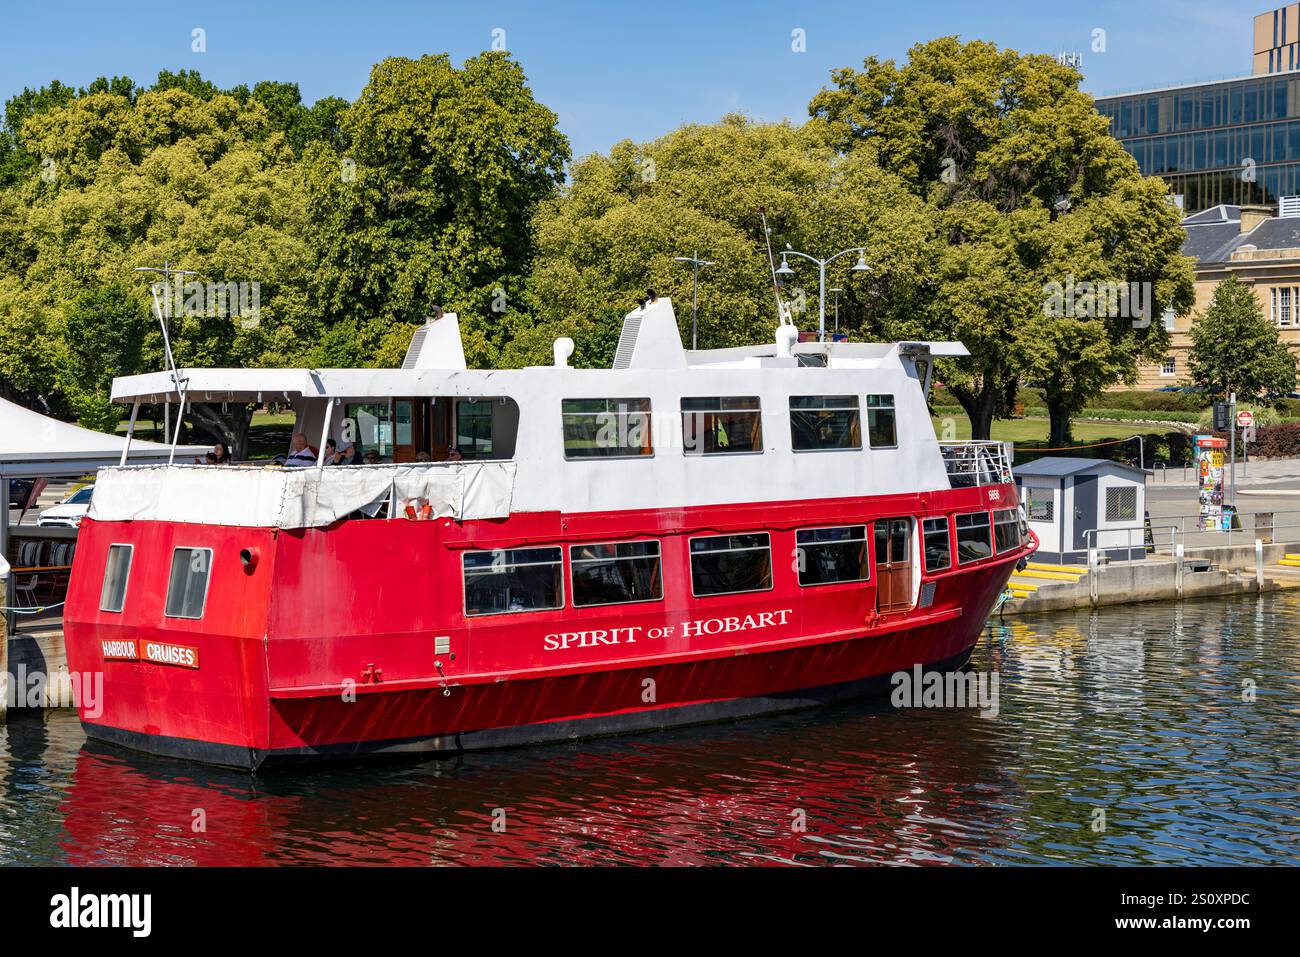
(299, 453)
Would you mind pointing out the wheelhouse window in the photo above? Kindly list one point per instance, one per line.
(1006, 529)
(474, 428)
(938, 551)
(973, 542)
(508, 580)
(728, 564)
(828, 555)
(187, 587)
(882, 430)
(606, 428)
(819, 422)
(721, 425)
(615, 573)
(117, 569)
(369, 425)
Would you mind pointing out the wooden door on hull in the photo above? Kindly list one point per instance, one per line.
(893, 537)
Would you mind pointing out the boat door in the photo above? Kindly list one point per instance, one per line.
(893, 564)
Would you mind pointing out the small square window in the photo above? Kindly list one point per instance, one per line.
(1121, 504)
(187, 588)
(882, 428)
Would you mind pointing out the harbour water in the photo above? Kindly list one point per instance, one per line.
(1122, 736)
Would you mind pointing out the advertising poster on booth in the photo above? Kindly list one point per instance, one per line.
(1209, 470)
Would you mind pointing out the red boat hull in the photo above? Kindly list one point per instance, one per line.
(327, 646)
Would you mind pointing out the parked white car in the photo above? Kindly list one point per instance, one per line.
(69, 512)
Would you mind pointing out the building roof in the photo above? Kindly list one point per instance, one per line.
(1214, 234)
(1052, 466)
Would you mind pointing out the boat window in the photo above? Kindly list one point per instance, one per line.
(938, 551)
(827, 555)
(728, 564)
(612, 573)
(506, 580)
(606, 428)
(721, 425)
(825, 422)
(187, 588)
(882, 430)
(368, 424)
(474, 428)
(116, 572)
(973, 537)
(1006, 529)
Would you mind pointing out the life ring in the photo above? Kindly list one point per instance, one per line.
(419, 509)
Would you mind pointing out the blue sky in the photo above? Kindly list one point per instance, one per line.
(611, 70)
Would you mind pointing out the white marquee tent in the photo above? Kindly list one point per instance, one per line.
(37, 446)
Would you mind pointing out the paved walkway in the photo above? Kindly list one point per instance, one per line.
(1265, 472)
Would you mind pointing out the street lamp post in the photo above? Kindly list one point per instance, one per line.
(696, 262)
(836, 291)
(859, 266)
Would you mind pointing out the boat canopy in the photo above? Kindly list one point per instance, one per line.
(253, 496)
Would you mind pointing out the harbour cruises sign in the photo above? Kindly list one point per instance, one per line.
(158, 652)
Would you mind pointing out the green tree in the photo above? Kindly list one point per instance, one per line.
(1236, 349)
(426, 198)
(104, 332)
(615, 230)
(205, 183)
(1028, 188)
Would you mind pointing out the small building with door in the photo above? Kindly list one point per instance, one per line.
(1072, 504)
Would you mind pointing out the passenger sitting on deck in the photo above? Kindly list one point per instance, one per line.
(348, 455)
(372, 457)
(331, 452)
(218, 456)
(422, 456)
(453, 454)
(299, 452)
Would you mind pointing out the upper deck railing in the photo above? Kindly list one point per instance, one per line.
(977, 462)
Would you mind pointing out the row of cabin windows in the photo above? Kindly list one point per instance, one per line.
(725, 425)
(616, 573)
(505, 581)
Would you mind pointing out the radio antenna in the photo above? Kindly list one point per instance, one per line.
(162, 310)
(782, 311)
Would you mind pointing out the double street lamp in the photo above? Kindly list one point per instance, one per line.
(859, 266)
(696, 262)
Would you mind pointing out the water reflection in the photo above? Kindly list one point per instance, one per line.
(1136, 713)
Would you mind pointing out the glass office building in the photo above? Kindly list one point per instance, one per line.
(1234, 141)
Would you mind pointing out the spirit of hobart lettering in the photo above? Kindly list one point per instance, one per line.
(564, 640)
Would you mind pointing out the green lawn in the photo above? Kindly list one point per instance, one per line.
(1026, 431)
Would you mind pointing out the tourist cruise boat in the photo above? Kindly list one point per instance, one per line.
(540, 554)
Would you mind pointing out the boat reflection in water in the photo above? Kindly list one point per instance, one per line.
(1138, 711)
(709, 795)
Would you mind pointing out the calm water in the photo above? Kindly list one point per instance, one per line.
(1137, 711)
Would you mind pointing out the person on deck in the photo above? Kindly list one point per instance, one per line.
(300, 454)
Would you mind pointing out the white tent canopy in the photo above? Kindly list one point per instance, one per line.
(37, 446)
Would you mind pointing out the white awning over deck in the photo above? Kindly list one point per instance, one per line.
(250, 496)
